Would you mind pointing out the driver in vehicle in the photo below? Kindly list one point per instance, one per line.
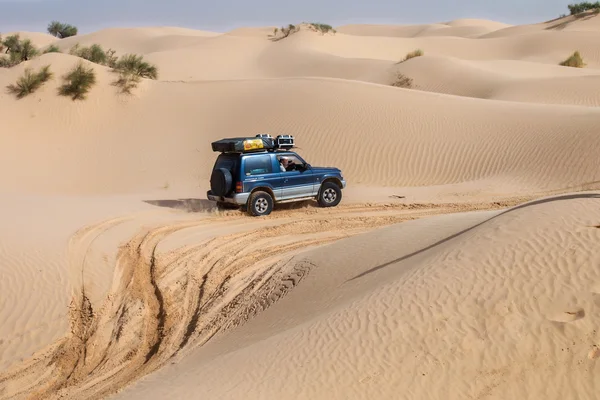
(286, 164)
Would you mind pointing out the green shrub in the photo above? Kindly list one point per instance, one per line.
(323, 28)
(28, 50)
(583, 6)
(132, 64)
(12, 43)
(95, 53)
(61, 30)
(413, 54)
(285, 31)
(10, 61)
(52, 49)
(127, 82)
(402, 81)
(30, 81)
(574, 60)
(18, 50)
(78, 82)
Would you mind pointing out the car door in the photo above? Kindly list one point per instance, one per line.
(297, 182)
(259, 172)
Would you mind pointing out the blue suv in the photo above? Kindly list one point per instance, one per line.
(257, 173)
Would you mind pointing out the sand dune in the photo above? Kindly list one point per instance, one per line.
(139, 40)
(519, 81)
(411, 310)
(460, 28)
(412, 148)
(110, 254)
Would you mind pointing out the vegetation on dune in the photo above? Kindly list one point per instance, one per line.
(95, 53)
(323, 28)
(10, 61)
(412, 54)
(30, 81)
(61, 30)
(52, 49)
(583, 6)
(575, 60)
(402, 81)
(285, 31)
(78, 82)
(131, 69)
(18, 51)
(135, 65)
(127, 82)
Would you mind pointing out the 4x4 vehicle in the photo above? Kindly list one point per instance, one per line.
(257, 173)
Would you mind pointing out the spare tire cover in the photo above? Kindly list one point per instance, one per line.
(221, 182)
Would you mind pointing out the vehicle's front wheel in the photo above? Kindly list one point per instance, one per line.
(330, 195)
(260, 203)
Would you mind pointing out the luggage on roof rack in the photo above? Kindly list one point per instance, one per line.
(284, 141)
(262, 142)
(243, 145)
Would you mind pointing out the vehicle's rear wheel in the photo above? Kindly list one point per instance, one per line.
(260, 203)
(330, 195)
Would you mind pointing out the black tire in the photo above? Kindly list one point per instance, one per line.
(221, 182)
(330, 195)
(260, 204)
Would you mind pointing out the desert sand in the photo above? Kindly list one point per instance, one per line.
(462, 262)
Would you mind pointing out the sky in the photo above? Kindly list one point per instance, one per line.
(224, 15)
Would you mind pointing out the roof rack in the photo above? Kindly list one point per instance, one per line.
(259, 143)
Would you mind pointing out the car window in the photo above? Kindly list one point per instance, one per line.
(226, 161)
(292, 160)
(257, 165)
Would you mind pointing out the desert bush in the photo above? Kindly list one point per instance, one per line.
(78, 82)
(52, 49)
(413, 54)
(131, 68)
(323, 28)
(132, 64)
(402, 81)
(12, 43)
(18, 50)
(10, 61)
(127, 82)
(285, 31)
(94, 53)
(575, 60)
(61, 30)
(28, 50)
(30, 81)
(583, 6)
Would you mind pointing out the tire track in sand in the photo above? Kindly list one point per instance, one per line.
(163, 305)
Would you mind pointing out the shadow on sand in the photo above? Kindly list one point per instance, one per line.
(530, 204)
(189, 205)
(203, 205)
(577, 17)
